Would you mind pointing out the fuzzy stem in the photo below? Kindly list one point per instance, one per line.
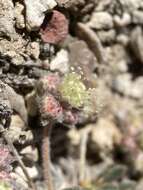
(46, 158)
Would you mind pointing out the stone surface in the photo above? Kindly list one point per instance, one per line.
(33, 50)
(82, 59)
(19, 16)
(60, 62)
(101, 20)
(35, 12)
(105, 134)
(136, 42)
(7, 18)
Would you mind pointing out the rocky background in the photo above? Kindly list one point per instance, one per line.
(103, 40)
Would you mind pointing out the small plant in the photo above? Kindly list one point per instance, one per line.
(65, 100)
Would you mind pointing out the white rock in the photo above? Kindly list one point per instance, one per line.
(19, 9)
(101, 20)
(125, 85)
(122, 21)
(131, 5)
(33, 172)
(137, 17)
(105, 134)
(35, 12)
(33, 50)
(30, 153)
(60, 62)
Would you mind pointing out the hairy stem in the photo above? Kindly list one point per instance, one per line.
(46, 158)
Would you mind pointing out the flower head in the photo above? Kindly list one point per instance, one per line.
(73, 90)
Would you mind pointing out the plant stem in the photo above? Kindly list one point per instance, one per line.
(46, 158)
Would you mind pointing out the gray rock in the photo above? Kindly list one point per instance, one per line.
(35, 12)
(7, 18)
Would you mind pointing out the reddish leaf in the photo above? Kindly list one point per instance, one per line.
(54, 29)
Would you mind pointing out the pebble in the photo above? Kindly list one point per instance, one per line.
(101, 20)
(122, 21)
(60, 62)
(35, 12)
(137, 17)
(136, 42)
(124, 85)
(33, 50)
(105, 134)
(18, 10)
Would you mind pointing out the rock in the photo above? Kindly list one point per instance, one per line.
(124, 85)
(17, 122)
(123, 39)
(30, 155)
(7, 18)
(33, 50)
(32, 108)
(13, 50)
(35, 12)
(82, 59)
(16, 132)
(105, 134)
(118, 61)
(137, 17)
(140, 185)
(74, 137)
(130, 5)
(33, 172)
(101, 20)
(136, 42)
(102, 5)
(137, 90)
(139, 162)
(15, 100)
(124, 21)
(18, 10)
(60, 62)
(72, 4)
(107, 36)
(20, 180)
(55, 29)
